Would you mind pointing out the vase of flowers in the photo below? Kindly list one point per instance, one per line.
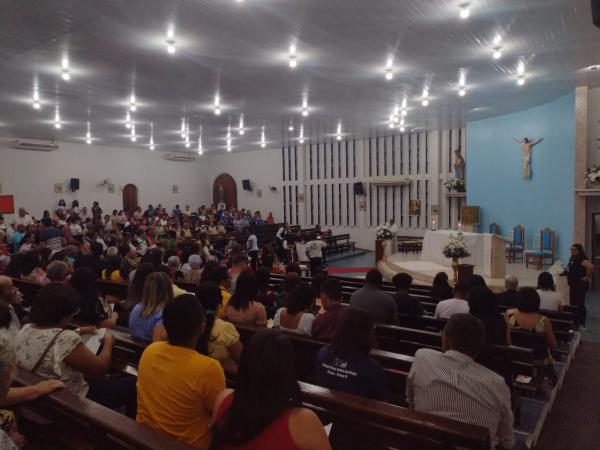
(456, 249)
(593, 175)
(455, 184)
(384, 234)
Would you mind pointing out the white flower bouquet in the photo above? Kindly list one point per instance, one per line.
(456, 248)
(593, 175)
(455, 184)
(384, 232)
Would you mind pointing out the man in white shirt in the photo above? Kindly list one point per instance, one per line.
(314, 249)
(459, 304)
(23, 218)
(454, 386)
(252, 247)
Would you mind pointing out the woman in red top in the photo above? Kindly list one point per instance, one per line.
(264, 412)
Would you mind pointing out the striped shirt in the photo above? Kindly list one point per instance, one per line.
(454, 386)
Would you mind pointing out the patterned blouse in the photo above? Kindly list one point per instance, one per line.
(31, 343)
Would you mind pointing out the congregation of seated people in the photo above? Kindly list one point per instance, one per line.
(193, 344)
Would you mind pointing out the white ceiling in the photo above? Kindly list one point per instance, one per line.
(240, 48)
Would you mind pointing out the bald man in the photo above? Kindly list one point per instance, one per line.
(11, 297)
(23, 218)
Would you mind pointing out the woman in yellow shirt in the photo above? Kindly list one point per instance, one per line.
(220, 340)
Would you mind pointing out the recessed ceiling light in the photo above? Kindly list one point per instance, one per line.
(65, 73)
(521, 81)
(497, 39)
(305, 106)
(293, 57)
(462, 92)
(338, 134)
(217, 105)
(263, 141)
(57, 123)
(170, 41)
(291, 126)
(301, 134)
(127, 120)
(594, 68)
(497, 53)
(389, 69)
(36, 97)
(402, 129)
(133, 135)
(465, 11)
(241, 130)
(425, 103)
(151, 141)
(200, 150)
(132, 104)
(88, 135)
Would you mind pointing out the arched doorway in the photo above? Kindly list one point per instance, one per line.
(130, 198)
(225, 191)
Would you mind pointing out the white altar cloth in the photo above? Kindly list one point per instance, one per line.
(479, 245)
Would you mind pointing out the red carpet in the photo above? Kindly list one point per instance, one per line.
(348, 269)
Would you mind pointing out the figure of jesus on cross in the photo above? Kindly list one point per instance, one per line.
(527, 146)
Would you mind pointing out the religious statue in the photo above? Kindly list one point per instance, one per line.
(459, 164)
(527, 145)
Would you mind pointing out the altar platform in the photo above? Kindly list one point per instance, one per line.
(423, 272)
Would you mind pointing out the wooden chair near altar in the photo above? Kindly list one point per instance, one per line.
(516, 244)
(543, 248)
(494, 228)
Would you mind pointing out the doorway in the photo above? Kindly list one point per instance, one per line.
(225, 191)
(130, 198)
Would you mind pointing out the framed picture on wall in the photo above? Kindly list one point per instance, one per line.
(111, 188)
(175, 189)
(58, 188)
(435, 210)
(300, 197)
(414, 208)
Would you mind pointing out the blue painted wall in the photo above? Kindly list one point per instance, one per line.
(495, 171)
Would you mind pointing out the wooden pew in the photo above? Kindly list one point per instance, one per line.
(102, 428)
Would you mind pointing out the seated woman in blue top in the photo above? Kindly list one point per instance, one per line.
(345, 365)
(145, 320)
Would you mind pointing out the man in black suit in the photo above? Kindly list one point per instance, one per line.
(407, 304)
(508, 298)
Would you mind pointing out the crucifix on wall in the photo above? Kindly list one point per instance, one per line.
(527, 146)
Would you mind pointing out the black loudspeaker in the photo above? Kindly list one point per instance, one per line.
(596, 12)
(359, 188)
(246, 185)
(74, 184)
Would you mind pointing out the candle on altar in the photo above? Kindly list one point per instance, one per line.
(459, 226)
(433, 224)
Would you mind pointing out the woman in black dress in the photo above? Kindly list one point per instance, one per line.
(579, 275)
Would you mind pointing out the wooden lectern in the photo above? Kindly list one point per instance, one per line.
(498, 257)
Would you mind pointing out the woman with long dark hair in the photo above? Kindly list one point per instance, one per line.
(579, 276)
(92, 310)
(295, 316)
(441, 289)
(243, 306)
(266, 416)
(219, 340)
(345, 365)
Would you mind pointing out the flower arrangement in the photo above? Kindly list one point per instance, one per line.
(593, 175)
(455, 184)
(456, 248)
(384, 232)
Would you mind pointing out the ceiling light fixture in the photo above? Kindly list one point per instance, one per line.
(462, 82)
(57, 123)
(241, 130)
(151, 142)
(200, 150)
(36, 97)
(402, 123)
(305, 106)
(170, 41)
(187, 136)
(217, 105)
(465, 11)
(133, 135)
(182, 127)
(402, 129)
(339, 131)
(88, 135)
(291, 126)
(132, 104)
(389, 69)
(497, 39)
(301, 138)
(228, 138)
(521, 73)
(293, 57)
(128, 120)
(65, 73)
(425, 97)
(263, 141)
(521, 80)
(497, 53)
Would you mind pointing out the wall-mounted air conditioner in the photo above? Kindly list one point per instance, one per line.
(43, 146)
(390, 181)
(182, 157)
